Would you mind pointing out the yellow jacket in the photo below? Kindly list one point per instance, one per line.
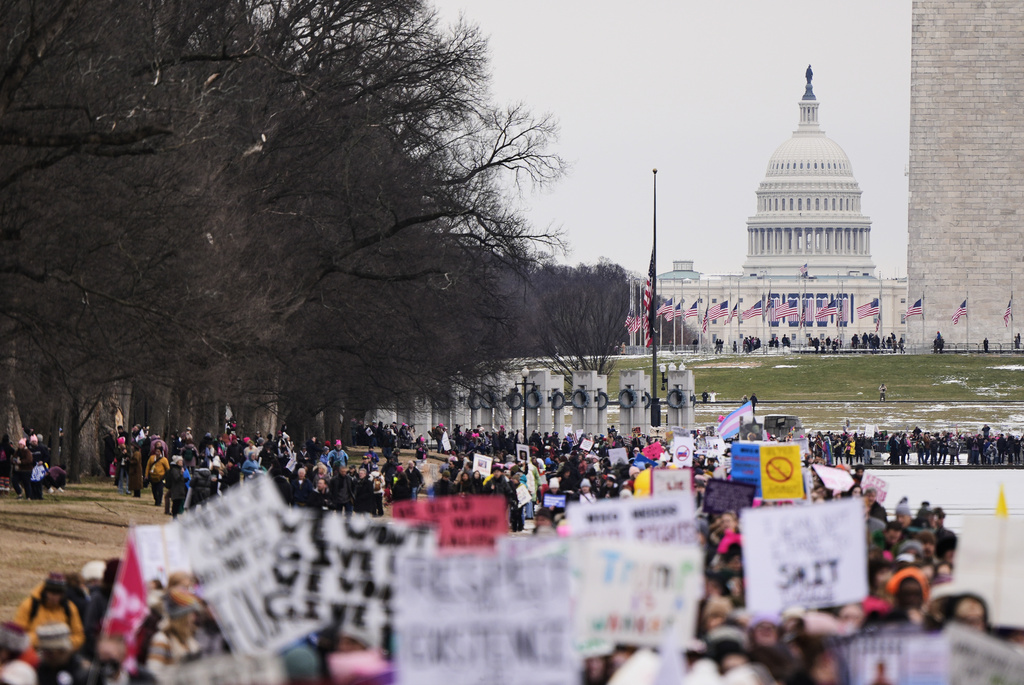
(156, 469)
(66, 612)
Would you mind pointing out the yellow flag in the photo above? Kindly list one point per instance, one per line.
(1001, 509)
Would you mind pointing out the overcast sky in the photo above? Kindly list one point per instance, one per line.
(705, 92)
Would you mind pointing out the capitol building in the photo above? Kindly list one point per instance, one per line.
(808, 247)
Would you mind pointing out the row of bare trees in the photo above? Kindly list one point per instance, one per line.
(304, 204)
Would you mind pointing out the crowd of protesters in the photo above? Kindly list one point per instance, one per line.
(55, 634)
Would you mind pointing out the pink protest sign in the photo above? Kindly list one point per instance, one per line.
(462, 522)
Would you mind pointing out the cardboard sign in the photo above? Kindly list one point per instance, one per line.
(682, 450)
(870, 480)
(231, 541)
(554, 501)
(457, 618)
(462, 522)
(160, 551)
(721, 496)
(990, 563)
(670, 481)
(446, 444)
(635, 591)
(746, 464)
(781, 476)
(618, 455)
(522, 453)
(586, 444)
(977, 658)
(523, 495)
(668, 519)
(834, 479)
(482, 464)
(804, 556)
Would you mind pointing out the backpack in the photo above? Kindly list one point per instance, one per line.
(378, 484)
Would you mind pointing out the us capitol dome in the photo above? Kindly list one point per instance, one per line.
(808, 208)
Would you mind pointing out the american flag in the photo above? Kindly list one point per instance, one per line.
(665, 308)
(648, 319)
(633, 323)
(692, 312)
(1009, 313)
(677, 312)
(734, 314)
(844, 309)
(915, 310)
(704, 325)
(960, 311)
(716, 311)
(828, 310)
(809, 310)
(756, 310)
(803, 269)
(869, 309)
(781, 310)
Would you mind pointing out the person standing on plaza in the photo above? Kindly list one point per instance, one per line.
(156, 469)
(881, 393)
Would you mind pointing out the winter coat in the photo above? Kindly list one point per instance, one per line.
(175, 481)
(401, 490)
(135, 470)
(200, 486)
(364, 500)
(156, 468)
(66, 612)
(342, 490)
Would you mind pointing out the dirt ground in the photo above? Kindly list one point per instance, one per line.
(62, 532)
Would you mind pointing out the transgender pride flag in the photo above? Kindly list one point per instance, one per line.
(730, 425)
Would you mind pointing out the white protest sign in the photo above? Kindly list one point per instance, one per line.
(682, 450)
(523, 495)
(671, 481)
(805, 446)
(446, 444)
(834, 479)
(457, 619)
(482, 464)
(977, 658)
(228, 669)
(586, 444)
(894, 656)
(230, 542)
(804, 556)
(633, 591)
(990, 563)
(715, 446)
(668, 519)
(333, 569)
(522, 452)
(870, 480)
(618, 455)
(160, 551)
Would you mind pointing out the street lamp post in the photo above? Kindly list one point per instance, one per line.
(655, 402)
(525, 372)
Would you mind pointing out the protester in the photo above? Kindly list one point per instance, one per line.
(175, 642)
(48, 604)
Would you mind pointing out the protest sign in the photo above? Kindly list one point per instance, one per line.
(523, 496)
(160, 551)
(781, 477)
(586, 444)
(482, 465)
(804, 556)
(894, 656)
(682, 449)
(977, 658)
(636, 431)
(668, 519)
(870, 480)
(553, 501)
(653, 451)
(671, 481)
(458, 619)
(462, 523)
(333, 569)
(714, 447)
(721, 496)
(435, 472)
(618, 455)
(805, 446)
(231, 542)
(446, 444)
(228, 669)
(834, 479)
(522, 452)
(635, 591)
(746, 464)
(990, 563)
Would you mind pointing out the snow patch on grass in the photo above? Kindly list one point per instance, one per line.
(1008, 367)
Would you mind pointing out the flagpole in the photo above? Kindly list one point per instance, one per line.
(655, 404)
(1011, 308)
